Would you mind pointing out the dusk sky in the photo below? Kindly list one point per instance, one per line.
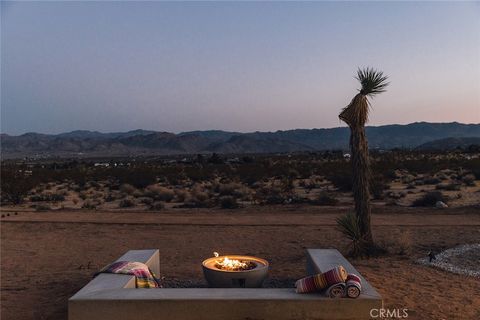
(118, 66)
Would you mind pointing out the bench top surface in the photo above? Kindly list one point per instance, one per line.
(106, 281)
(326, 259)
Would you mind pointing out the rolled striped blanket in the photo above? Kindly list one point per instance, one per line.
(144, 277)
(321, 281)
(354, 285)
(336, 290)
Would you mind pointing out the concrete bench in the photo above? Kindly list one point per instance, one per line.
(109, 298)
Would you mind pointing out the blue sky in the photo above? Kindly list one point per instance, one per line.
(180, 66)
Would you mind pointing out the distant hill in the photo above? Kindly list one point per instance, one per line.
(451, 144)
(83, 143)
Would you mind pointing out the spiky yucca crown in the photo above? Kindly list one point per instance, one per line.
(373, 82)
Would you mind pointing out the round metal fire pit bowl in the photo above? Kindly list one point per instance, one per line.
(219, 278)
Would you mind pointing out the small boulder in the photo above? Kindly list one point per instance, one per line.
(441, 204)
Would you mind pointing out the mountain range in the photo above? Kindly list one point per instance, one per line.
(82, 143)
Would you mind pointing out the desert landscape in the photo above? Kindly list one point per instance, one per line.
(75, 217)
(239, 160)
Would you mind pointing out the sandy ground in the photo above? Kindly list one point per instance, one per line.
(48, 256)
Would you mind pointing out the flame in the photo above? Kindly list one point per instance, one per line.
(230, 264)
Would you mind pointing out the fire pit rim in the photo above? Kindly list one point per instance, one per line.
(261, 263)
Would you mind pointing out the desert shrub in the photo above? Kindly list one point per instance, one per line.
(293, 198)
(227, 189)
(199, 173)
(393, 195)
(198, 199)
(469, 180)
(146, 201)
(36, 198)
(448, 186)
(15, 186)
(157, 206)
(42, 207)
(126, 203)
(287, 184)
(127, 188)
(159, 193)
(419, 182)
(251, 173)
(137, 193)
(429, 199)
(109, 198)
(215, 159)
(180, 195)
(90, 205)
(407, 178)
(63, 191)
(270, 195)
(442, 176)
(96, 195)
(94, 184)
(348, 225)
(200, 196)
(311, 184)
(377, 187)
(391, 203)
(325, 199)
(228, 202)
(55, 197)
(342, 180)
(139, 178)
(476, 173)
(193, 202)
(431, 180)
(274, 198)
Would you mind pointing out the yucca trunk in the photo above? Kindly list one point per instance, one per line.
(361, 178)
(355, 115)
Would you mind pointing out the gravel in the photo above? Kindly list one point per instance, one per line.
(182, 283)
(463, 260)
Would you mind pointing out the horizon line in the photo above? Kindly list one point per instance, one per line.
(234, 131)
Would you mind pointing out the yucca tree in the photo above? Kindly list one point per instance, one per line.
(356, 115)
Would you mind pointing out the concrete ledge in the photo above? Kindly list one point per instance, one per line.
(104, 281)
(101, 300)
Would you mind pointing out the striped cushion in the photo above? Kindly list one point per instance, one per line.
(354, 285)
(321, 281)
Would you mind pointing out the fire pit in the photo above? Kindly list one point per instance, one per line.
(235, 271)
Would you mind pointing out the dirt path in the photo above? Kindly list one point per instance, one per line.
(261, 216)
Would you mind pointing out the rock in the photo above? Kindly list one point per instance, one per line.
(441, 204)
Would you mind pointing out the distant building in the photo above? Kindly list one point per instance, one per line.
(102, 164)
